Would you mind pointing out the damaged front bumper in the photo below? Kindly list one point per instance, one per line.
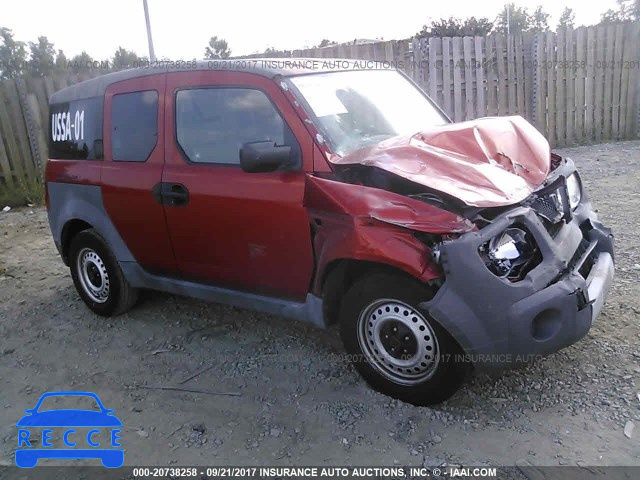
(499, 323)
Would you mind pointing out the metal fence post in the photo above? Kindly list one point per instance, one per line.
(29, 121)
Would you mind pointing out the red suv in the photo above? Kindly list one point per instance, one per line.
(326, 192)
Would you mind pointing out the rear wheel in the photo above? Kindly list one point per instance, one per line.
(98, 277)
(396, 347)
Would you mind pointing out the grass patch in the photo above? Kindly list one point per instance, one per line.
(21, 195)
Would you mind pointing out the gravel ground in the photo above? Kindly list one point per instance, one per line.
(298, 402)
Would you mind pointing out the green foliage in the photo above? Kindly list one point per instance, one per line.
(567, 18)
(217, 48)
(124, 58)
(273, 53)
(539, 21)
(22, 194)
(42, 57)
(627, 11)
(519, 20)
(81, 63)
(40, 60)
(13, 55)
(326, 43)
(61, 62)
(456, 27)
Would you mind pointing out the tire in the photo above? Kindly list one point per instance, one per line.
(98, 277)
(418, 362)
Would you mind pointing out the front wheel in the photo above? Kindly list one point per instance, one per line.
(398, 349)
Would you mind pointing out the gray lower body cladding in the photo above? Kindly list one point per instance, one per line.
(308, 311)
(500, 323)
(68, 201)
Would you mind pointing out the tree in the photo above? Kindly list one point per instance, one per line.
(567, 18)
(61, 61)
(271, 52)
(539, 21)
(124, 58)
(477, 26)
(81, 63)
(326, 43)
(456, 27)
(13, 54)
(42, 57)
(217, 48)
(513, 19)
(628, 10)
(609, 17)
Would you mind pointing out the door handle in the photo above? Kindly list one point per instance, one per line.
(170, 194)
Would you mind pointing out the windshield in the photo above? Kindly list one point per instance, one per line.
(358, 108)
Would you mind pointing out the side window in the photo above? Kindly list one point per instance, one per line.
(76, 129)
(134, 125)
(212, 124)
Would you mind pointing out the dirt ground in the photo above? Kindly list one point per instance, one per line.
(299, 402)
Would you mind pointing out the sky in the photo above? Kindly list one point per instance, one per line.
(182, 28)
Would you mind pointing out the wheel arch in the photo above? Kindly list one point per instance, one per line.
(73, 207)
(70, 229)
(341, 273)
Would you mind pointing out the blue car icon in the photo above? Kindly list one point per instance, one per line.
(68, 419)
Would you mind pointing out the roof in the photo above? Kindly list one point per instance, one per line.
(266, 67)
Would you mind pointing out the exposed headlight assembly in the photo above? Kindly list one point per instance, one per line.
(511, 255)
(574, 190)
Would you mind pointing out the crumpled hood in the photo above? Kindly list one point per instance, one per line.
(485, 163)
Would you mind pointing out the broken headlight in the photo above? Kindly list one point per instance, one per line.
(511, 255)
(574, 190)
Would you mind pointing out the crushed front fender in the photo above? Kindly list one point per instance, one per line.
(499, 323)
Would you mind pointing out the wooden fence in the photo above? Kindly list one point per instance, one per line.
(24, 124)
(576, 86)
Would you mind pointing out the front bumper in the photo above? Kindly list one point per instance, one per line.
(499, 323)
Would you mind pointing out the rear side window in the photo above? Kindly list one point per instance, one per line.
(134, 125)
(212, 124)
(75, 129)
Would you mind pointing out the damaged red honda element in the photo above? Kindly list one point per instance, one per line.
(330, 195)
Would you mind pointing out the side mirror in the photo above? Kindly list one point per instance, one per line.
(262, 157)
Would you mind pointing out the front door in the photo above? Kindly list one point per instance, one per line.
(245, 231)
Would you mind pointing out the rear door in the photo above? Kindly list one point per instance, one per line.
(246, 231)
(133, 162)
